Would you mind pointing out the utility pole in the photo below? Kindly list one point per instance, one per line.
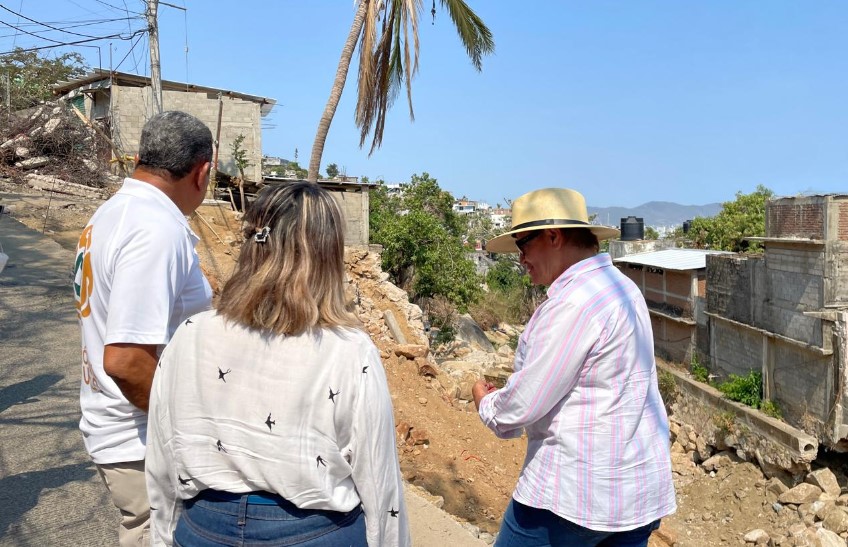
(155, 65)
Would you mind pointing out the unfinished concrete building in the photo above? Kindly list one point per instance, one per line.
(785, 313)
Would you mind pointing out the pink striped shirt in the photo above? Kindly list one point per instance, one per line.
(585, 391)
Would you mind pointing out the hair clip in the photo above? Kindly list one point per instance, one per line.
(261, 235)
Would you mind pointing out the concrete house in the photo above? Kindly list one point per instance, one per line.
(123, 102)
(785, 313)
(673, 282)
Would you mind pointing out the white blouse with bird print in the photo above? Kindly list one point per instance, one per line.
(308, 417)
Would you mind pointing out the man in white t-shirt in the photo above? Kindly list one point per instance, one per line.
(137, 277)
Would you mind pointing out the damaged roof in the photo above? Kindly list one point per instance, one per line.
(103, 79)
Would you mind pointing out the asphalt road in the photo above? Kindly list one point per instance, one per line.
(50, 493)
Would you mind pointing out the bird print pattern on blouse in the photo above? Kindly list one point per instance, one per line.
(319, 461)
(221, 374)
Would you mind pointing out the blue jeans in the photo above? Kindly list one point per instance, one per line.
(525, 526)
(217, 519)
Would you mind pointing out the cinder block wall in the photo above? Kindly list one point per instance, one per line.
(802, 384)
(132, 107)
(354, 206)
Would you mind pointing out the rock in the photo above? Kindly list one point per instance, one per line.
(22, 152)
(51, 125)
(468, 330)
(91, 165)
(842, 500)
(803, 493)
(411, 351)
(473, 530)
(823, 508)
(713, 463)
(757, 537)
(702, 449)
(836, 520)
(487, 538)
(33, 163)
(422, 401)
(418, 437)
(829, 538)
(776, 486)
(824, 479)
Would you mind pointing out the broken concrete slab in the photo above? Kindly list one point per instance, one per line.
(33, 163)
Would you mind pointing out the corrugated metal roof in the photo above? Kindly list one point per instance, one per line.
(672, 259)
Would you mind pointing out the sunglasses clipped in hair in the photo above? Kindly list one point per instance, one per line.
(521, 243)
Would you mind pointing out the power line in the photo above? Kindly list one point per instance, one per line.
(45, 24)
(78, 42)
(130, 51)
(117, 8)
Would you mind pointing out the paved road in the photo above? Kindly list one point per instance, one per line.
(50, 494)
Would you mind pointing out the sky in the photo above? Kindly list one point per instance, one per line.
(626, 101)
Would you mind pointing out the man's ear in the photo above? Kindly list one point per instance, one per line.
(556, 237)
(202, 175)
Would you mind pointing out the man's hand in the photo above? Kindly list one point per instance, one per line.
(480, 389)
(132, 367)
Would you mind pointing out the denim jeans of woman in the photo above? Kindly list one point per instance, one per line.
(218, 519)
(525, 526)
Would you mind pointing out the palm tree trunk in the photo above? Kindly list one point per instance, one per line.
(336, 91)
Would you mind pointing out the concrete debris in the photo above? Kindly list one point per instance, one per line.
(53, 141)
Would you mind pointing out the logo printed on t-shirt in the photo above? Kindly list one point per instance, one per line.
(83, 276)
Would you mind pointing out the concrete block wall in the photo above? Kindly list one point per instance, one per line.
(354, 206)
(730, 286)
(132, 107)
(794, 285)
(802, 386)
(735, 350)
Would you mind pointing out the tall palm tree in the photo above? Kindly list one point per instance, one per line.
(387, 33)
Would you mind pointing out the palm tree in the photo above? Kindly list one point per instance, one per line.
(385, 30)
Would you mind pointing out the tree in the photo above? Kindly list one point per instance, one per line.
(31, 75)
(421, 237)
(242, 163)
(387, 33)
(651, 233)
(332, 171)
(738, 219)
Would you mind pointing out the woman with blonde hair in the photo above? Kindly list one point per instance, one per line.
(270, 418)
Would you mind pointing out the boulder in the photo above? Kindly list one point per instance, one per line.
(757, 537)
(469, 331)
(829, 538)
(824, 479)
(411, 351)
(803, 493)
(836, 520)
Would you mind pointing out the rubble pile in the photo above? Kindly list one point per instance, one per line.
(52, 146)
(809, 510)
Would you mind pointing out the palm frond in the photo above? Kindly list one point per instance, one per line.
(473, 32)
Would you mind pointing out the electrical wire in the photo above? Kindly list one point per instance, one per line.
(132, 48)
(77, 42)
(45, 24)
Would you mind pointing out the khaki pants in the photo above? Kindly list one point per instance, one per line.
(126, 483)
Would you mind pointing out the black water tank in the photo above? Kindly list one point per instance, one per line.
(632, 229)
(686, 225)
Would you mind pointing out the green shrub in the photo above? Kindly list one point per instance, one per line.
(699, 371)
(747, 390)
(667, 385)
(724, 422)
(770, 408)
(513, 342)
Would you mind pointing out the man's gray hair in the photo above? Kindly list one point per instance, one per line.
(174, 142)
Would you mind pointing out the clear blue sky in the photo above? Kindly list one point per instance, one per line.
(627, 101)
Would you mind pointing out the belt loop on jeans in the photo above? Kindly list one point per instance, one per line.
(242, 511)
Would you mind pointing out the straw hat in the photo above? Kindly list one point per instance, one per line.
(548, 208)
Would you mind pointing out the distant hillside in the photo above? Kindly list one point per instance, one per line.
(655, 213)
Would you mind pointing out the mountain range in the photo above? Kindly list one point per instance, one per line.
(654, 213)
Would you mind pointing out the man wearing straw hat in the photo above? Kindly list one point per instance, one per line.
(598, 466)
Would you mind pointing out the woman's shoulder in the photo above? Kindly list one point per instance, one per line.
(351, 338)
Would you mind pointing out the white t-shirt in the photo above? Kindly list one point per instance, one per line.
(136, 278)
(308, 417)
